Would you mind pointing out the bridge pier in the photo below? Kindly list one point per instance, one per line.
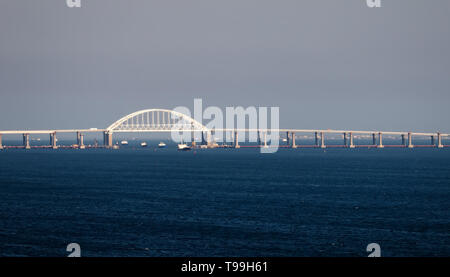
(293, 140)
(403, 140)
(107, 139)
(345, 139)
(208, 139)
(316, 138)
(80, 140)
(439, 141)
(374, 139)
(410, 144)
(203, 138)
(236, 140)
(352, 145)
(258, 133)
(26, 141)
(81, 144)
(287, 139)
(1, 144)
(193, 142)
(432, 140)
(265, 140)
(322, 140)
(380, 140)
(53, 141)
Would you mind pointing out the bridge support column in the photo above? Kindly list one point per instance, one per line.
(110, 139)
(345, 139)
(236, 140)
(203, 138)
(1, 144)
(81, 144)
(380, 140)
(439, 141)
(53, 141)
(26, 141)
(403, 140)
(374, 139)
(432, 140)
(208, 139)
(351, 145)
(265, 140)
(316, 138)
(293, 141)
(193, 138)
(322, 140)
(80, 140)
(107, 139)
(287, 138)
(438, 144)
(259, 137)
(410, 144)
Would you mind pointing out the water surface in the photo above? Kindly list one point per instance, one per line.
(225, 202)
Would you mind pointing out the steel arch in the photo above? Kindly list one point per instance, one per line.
(165, 120)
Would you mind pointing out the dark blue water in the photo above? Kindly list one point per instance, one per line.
(225, 202)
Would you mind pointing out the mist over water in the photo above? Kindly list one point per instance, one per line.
(225, 202)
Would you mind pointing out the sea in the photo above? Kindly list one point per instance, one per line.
(151, 202)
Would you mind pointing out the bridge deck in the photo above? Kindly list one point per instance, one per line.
(143, 130)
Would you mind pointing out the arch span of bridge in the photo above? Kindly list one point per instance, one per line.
(156, 120)
(153, 120)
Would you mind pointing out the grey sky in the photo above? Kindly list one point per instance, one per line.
(325, 63)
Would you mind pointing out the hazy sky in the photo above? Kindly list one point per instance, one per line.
(325, 63)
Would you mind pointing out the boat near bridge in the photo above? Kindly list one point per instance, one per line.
(183, 147)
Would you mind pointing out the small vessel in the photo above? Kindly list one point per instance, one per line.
(183, 147)
(284, 140)
(143, 144)
(161, 145)
(124, 142)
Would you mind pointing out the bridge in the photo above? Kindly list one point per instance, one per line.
(163, 120)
